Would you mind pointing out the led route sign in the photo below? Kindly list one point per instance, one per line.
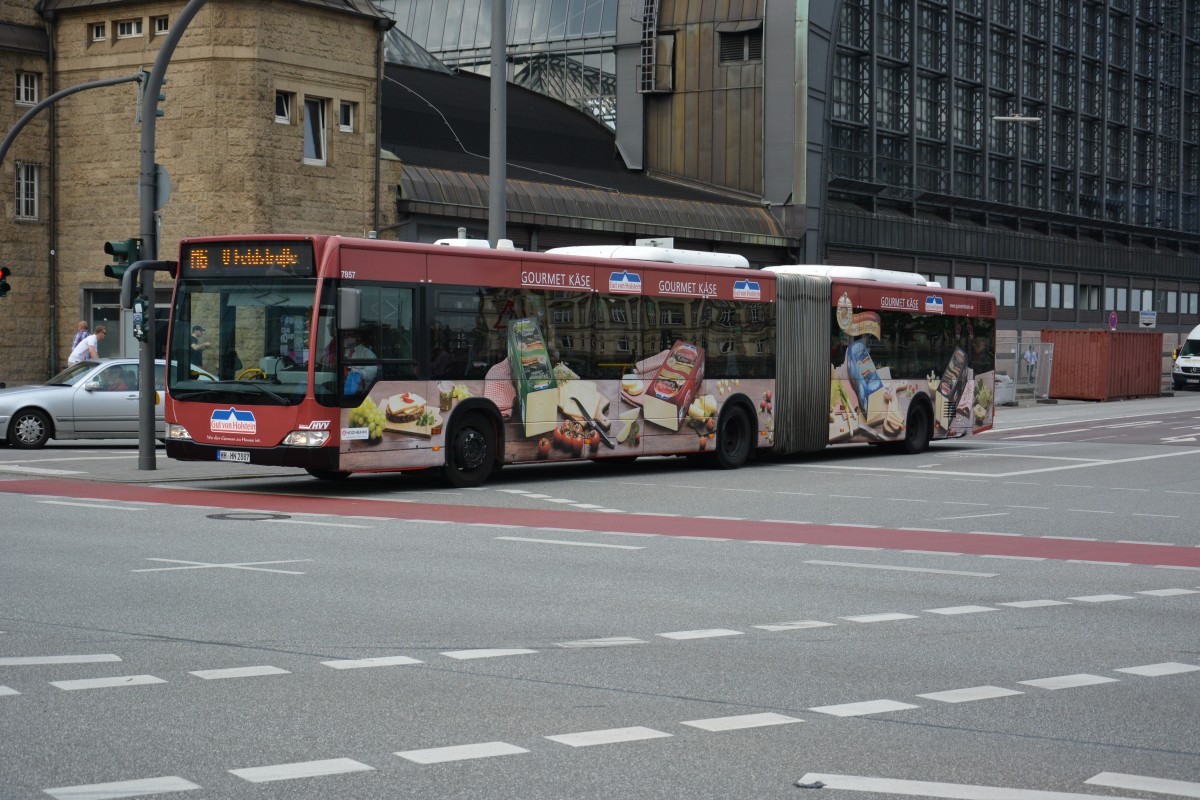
(249, 259)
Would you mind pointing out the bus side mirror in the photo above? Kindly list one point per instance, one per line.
(349, 309)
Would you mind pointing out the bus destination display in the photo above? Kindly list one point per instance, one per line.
(250, 259)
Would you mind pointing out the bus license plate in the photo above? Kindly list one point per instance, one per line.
(241, 456)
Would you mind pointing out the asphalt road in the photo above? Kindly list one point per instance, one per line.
(1009, 618)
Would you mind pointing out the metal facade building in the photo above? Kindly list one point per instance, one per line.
(876, 130)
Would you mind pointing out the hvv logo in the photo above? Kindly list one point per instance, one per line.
(233, 421)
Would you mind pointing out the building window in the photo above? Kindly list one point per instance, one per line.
(129, 28)
(1033, 294)
(27, 88)
(741, 46)
(346, 117)
(160, 25)
(99, 32)
(283, 107)
(1005, 291)
(27, 191)
(1062, 295)
(314, 131)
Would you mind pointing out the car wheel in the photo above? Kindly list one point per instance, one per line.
(470, 452)
(30, 428)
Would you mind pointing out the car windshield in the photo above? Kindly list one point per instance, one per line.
(253, 335)
(72, 374)
(1190, 348)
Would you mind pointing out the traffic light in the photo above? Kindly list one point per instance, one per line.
(4, 287)
(124, 253)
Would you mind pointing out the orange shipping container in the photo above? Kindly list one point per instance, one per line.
(1105, 365)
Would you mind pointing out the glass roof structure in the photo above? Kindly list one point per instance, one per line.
(560, 48)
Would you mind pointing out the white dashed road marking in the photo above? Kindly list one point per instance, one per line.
(238, 672)
(467, 655)
(890, 617)
(570, 544)
(111, 791)
(1035, 603)
(1068, 681)
(609, 641)
(971, 694)
(300, 769)
(864, 708)
(22, 661)
(462, 752)
(953, 610)
(795, 626)
(902, 569)
(362, 663)
(741, 722)
(702, 634)
(610, 736)
(107, 683)
(1158, 670)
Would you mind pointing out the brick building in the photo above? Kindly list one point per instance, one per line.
(270, 124)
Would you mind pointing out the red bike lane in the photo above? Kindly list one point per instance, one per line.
(746, 530)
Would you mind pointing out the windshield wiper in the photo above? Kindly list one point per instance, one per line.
(283, 401)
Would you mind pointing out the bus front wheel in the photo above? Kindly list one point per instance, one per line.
(734, 440)
(327, 474)
(470, 452)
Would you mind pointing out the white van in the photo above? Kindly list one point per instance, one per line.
(1186, 372)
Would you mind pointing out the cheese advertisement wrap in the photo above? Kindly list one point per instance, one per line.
(532, 376)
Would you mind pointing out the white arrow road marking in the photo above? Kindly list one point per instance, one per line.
(1141, 783)
(953, 791)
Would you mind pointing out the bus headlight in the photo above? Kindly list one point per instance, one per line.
(178, 432)
(306, 438)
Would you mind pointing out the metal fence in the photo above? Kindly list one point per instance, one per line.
(1013, 358)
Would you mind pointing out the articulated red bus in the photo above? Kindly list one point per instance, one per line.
(343, 355)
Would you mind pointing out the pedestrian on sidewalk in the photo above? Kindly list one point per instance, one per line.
(89, 347)
(1031, 359)
(81, 332)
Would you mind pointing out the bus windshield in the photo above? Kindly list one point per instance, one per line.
(253, 334)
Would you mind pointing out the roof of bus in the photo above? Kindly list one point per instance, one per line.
(851, 277)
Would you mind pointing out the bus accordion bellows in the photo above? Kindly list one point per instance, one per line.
(341, 355)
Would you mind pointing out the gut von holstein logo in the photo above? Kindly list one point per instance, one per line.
(746, 290)
(934, 305)
(232, 421)
(625, 282)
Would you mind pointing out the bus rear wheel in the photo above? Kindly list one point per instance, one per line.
(917, 430)
(734, 440)
(470, 452)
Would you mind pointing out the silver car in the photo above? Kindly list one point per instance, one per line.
(88, 400)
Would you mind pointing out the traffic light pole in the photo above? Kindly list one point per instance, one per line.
(33, 112)
(147, 197)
